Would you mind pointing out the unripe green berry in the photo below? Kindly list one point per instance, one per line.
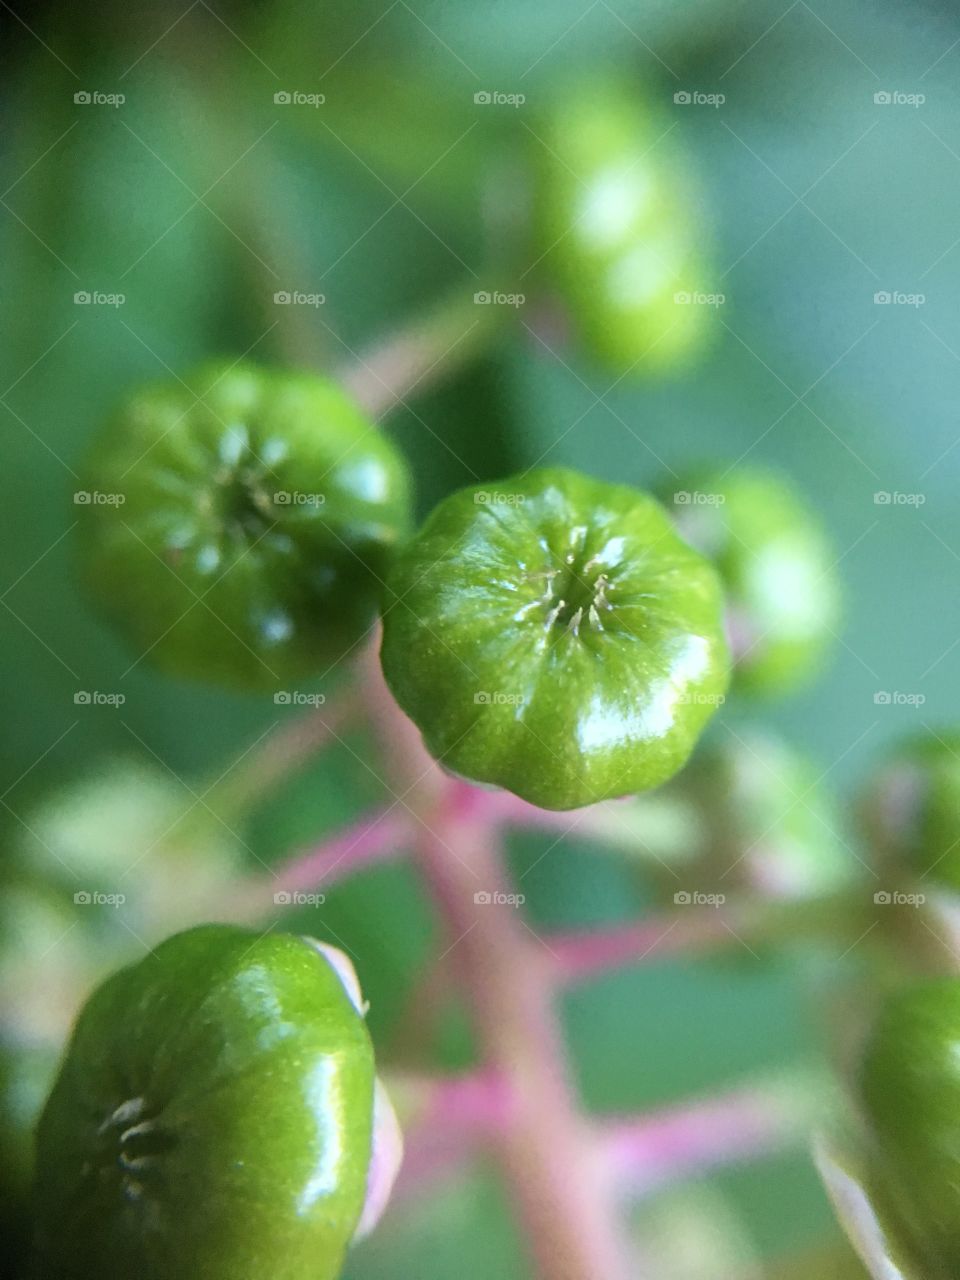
(777, 568)
(237, 529)
(912, 809)
(910, 1088)
(26, 1074)
(618, 236)
(213, 1116)
(554, 636)
(768, 820)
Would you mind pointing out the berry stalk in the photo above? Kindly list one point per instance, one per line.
(547, 1151)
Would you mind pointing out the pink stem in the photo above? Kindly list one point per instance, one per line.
(679, 1142)
(547, 1150)
(458, 1115)
(375, 838)
(586, 955)
(642, 1152)
(283, 754)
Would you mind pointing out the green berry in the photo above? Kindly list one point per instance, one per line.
(768, 821)
(553, 636)
(910, 1088)
(777, 568)
(212, 1117)
(237, 528)
(26, 1074)
(618, 236)
(913, 809)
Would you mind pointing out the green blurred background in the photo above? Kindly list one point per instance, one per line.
(199, 197)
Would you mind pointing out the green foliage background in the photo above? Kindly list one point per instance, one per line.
(813, 197)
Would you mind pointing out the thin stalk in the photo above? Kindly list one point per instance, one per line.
(450, 335)
(547, 1151)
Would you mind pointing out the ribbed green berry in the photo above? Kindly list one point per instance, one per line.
(777, 567)
(912, 809)
(552, 635)
(237, 526)
(910, 1088)
(618, 234)
(212, 1118)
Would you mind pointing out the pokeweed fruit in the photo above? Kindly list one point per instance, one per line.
(912, 809)
(767, 819)
(618, 236)
(909, 1084)
(26, 1073)
(237, 525)
(777, 568)
(213, 1116)
(555, 637)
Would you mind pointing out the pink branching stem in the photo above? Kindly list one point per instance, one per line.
(374, 839)
(581, 956)
(283, 753)
(684, 1141)
(547, 1150)
(457, 1117)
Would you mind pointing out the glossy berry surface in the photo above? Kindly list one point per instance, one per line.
(777, 567)
(555, 637)
(238, 527)
(212, 1117)
(910, 1086)
(618, 237)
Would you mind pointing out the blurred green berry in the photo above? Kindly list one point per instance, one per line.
(619, 236)
(213, 1116)
(911, 809)
(777, 568)
(131, 827)
(237, 529)
(909, 1084)
(553, 636)
(768, 820)
(26, 1074)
